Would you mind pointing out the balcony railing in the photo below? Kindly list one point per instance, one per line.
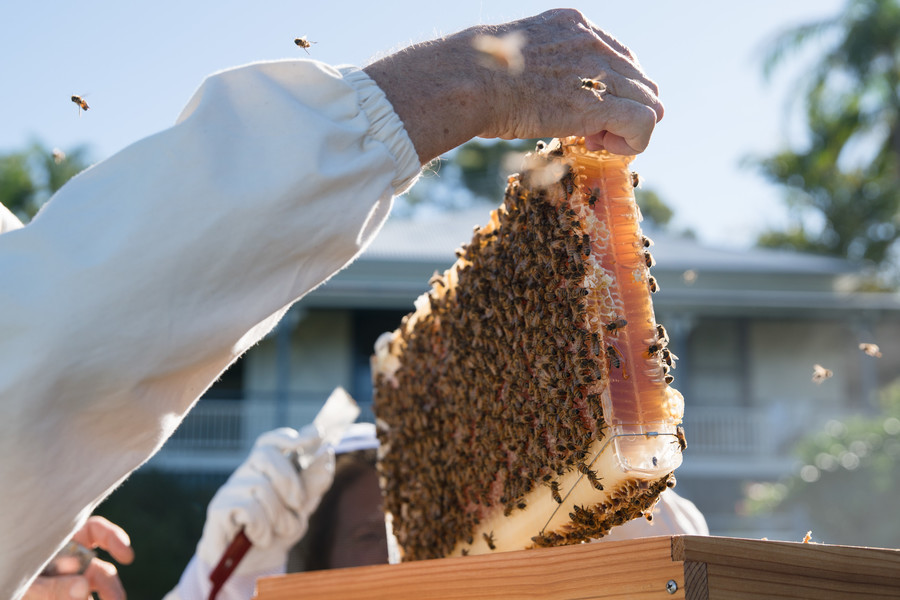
(221, 432)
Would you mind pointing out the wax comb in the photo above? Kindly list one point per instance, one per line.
(526, 401)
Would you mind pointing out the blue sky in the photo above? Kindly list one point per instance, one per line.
(138, 63)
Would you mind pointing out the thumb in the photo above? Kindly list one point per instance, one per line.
(317, 477)
(62, 587)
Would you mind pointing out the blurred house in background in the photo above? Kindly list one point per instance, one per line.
(747, 325)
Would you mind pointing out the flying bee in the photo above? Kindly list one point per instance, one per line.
(81, 103)
(871, 349)
(614, 357)
(304, 43)
(502, 53)
(489, 538)
(820, 373)
(617, 323)
(592, 84)
(554, 490)
(635, 179)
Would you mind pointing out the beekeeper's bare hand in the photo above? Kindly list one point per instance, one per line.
(521, 80)
(100, 576)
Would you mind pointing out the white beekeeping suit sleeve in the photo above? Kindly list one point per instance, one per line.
(149, 273)
(8, 221)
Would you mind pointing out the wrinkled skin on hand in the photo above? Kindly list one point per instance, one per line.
(446, 95)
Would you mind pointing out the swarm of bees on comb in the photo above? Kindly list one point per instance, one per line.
(496, 400)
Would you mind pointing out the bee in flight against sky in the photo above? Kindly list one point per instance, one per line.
(303, 43)
(82, 105)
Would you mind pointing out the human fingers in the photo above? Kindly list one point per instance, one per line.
(62, 587)
(621, 86)
(623, 126)
(99, 532)
(103, 578)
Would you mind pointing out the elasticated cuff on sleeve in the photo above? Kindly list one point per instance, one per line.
(386, 126)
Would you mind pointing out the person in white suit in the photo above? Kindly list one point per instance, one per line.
(148, 274)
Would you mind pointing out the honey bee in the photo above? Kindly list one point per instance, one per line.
(554, 490)
(593, 196)
(668, 357)
(489, 538)
(653, 285)
(820, 373)
(682, 441)
(304, 43)
(591, 475)
(871, 349)
(648, 260)
(615, 358)
(502, 52)
(646, 242)
(635, 179)
(592, 84)
(668, 379)
(81, 103)
(617, 323)
(652, 349)
(58, 156)
(661, 334)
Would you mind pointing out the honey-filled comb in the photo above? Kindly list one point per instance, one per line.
(526, 400)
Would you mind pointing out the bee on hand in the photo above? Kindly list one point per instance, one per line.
(593, 84)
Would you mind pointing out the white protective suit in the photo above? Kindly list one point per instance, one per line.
(149, 273)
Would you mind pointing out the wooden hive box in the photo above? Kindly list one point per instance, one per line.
(692, 567)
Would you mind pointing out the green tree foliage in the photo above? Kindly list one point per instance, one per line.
(847, 176)
(849, 481)
(29, 177)
(484, 166)
(653, 208)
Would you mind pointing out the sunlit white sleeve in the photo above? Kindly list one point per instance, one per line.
(8, 221)
(149, 273)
